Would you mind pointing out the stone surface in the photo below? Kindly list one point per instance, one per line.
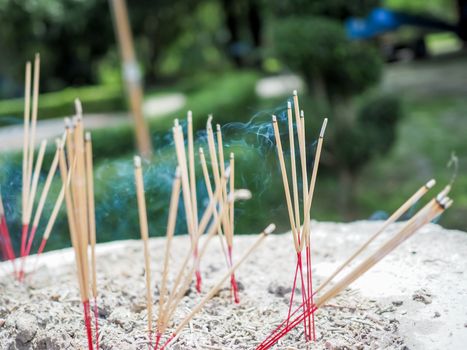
(407, 301)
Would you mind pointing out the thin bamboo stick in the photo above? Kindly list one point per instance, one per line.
(293, 163)
(285, 182)
(35, 104)
(231, 190)
(72, 222)
(91, 210)
(309, 198)
(393, 218)
(303, 166)
(433, 209)
(207, 181)
(214, 290)
(27, 111)
(43, 198)
(191, 157)
(220, 149)
(143, 223)
(35, 180)
(178, 292)
(186, 192)
(174, 198)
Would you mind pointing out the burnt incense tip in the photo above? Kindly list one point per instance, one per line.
(295, 93)
(448, 204)
(176, 122)
(430, 184)
(87, 136)
(302, 114)
(442, 201)
(232, 155)
(270, 229)
(445, 191)
(137, 160)
(78, 107)
(67, 122)
(323, 127)
(177, 172)
(274, 118)
(189, 115)
(208, 122)
(289, 105)
(201, 151)
(218, 127)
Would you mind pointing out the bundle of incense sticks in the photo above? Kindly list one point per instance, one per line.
(169, 301)
(433, 209)
(30, 180)
(227, 228)
(186, 162)
(300, 233)
(76, 173)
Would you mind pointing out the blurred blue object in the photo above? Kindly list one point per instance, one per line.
(381, 20)
(378, 215)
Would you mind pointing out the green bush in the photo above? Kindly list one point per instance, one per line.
(317, 48)
(372, 134)
(95, 99)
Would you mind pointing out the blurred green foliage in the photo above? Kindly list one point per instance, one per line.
(317, 47)
(101, 98)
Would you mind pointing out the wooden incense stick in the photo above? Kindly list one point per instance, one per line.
(80, 253)
(143, 224)
(173, 208)
(285, 182)
(232, 190)
(424, 216)
(27, 111)
(207, 181)
(191, 159)
(9, 253)
(309, 197)
(220, 149)
(92, 227)
(40, 208)
(32, 130)
(429, 212)
(182, 162)
(214, 290)
(32, 195)
(179, 289)
(292, 163)
(393, 218)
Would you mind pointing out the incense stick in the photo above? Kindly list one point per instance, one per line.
(429, 212)
(214, 290)
(191, 155)
(393, 218)
(32, 195)
(92, 227)
(143, 222)
(173, 207)
(80, 253)
(27, 111)
(292, 163)
(285, 182)
(40, 208)
(207, 181)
